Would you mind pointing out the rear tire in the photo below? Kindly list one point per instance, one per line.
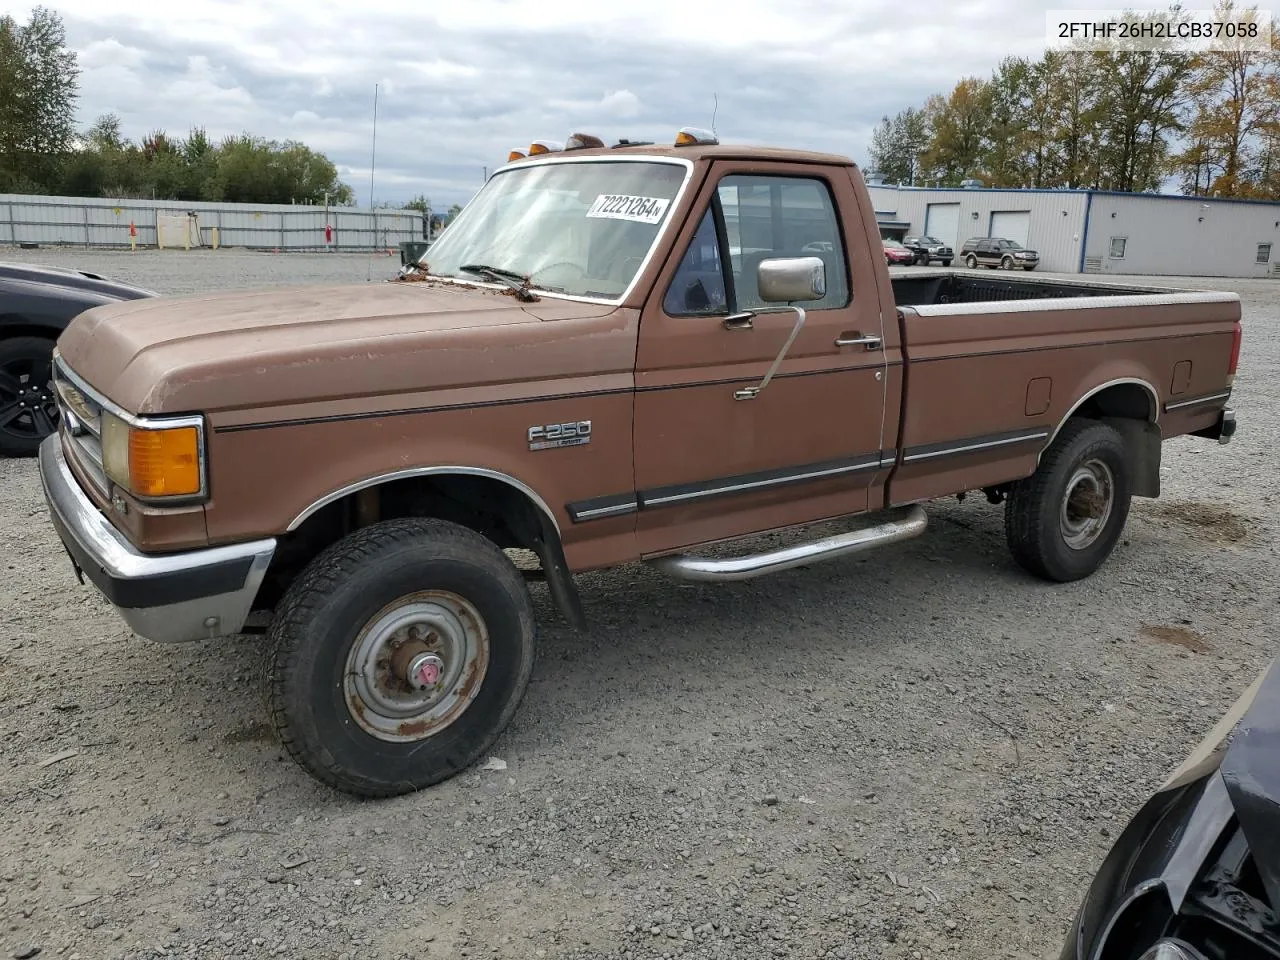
(394, 601)
(28, 412)
(1063, 521)
(971, 262)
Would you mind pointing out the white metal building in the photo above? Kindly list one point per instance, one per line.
(1096, 231)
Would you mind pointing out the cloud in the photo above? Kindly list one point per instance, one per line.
(460, 82)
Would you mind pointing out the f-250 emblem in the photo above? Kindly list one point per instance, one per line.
(560, 435)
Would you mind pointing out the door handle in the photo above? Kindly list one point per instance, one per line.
(872, 342)
(739, 321)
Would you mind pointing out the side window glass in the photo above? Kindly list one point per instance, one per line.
(698, 286)
(768, 217)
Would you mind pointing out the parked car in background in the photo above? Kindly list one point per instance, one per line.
(1196, 873)
(929, 249)
(36, 304)
(997, 252)
(896, 255)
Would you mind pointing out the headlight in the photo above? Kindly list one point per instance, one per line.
(1172, 950)
(157, 459)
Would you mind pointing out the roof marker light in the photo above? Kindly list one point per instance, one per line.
(516, 154)
(539, 147)
(582, 141)
(691, 136)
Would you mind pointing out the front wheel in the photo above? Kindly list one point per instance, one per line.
(1063, 521)
(400, 654)
(922, 259)
(28, 412)
(1006, 263)
(971, 262)
(946, 263)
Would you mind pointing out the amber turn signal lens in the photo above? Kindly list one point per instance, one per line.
(685, 139)
(164, 463)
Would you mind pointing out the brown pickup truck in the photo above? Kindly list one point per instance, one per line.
(612, 355)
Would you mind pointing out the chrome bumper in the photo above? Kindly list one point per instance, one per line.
(195, 595)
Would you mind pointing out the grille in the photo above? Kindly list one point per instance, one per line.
(80, 422)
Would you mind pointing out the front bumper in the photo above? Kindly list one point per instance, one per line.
(194, 595)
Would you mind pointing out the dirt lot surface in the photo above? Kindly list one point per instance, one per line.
(920, 754)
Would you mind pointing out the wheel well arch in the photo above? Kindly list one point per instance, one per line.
(16, 325)
(383, 479)
(500, 507)
(1130, 405)
(1130, 398)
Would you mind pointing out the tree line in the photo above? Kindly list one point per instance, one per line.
(1116, 119)
(42, 152)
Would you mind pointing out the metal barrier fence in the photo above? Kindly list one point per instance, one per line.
(92, 222)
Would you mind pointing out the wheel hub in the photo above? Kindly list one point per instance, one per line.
(416, 666)
(1087, 504)
(425, 671)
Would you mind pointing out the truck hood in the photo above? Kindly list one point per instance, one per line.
(295, 344)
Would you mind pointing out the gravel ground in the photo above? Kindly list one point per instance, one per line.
(920, 754)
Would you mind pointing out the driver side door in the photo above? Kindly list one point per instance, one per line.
(708, 464)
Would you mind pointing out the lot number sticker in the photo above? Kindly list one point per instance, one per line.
(619, 206)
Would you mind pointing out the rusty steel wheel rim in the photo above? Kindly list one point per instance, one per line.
(1087, 504)
(416, 666)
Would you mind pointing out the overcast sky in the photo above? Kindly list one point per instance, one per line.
(461, 82)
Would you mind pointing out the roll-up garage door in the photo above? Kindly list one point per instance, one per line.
(942, 222)
(1011, 225)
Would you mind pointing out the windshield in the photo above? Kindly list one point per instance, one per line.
(1011, 244)
(581, 229)
(894, 244)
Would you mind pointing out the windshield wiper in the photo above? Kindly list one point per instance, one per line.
(517, 282)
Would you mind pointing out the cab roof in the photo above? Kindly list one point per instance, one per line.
(720, 151)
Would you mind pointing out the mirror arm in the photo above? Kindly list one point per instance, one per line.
(749, 393)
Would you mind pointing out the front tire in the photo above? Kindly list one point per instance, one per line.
(1063, 521)
(1006, 263)
(400, 654)
(28, 412)
(946, 263)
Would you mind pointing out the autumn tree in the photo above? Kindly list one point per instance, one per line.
(960, 130)
(1233, 104)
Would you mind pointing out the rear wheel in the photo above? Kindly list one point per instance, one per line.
(400, 654)
(1063, 521)
(971, 262)
(28, 412)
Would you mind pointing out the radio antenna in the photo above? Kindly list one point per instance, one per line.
(373, 159)
(714, 111)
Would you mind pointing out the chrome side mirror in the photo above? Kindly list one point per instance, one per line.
(791, 279)
(787, 280)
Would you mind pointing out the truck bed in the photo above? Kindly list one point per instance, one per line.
(993, 365)
(934, 288)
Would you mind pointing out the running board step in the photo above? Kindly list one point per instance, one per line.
(904, 526)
